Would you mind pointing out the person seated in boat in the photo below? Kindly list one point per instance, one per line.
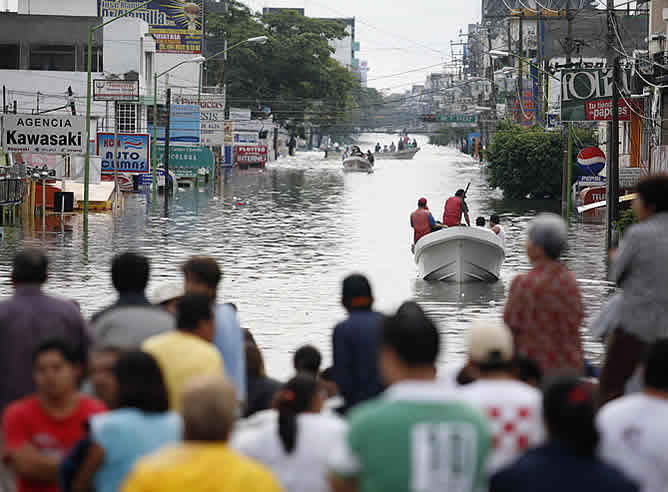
(414, 144)
(386, 149)
(455, 207)
(356, 152)
(401, 145)
(393, 148)
(480, 222)
(494, 225)
(378, 147)
(422, 221)
(370, 157)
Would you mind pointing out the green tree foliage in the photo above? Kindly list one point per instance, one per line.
(525, 162)
(293, 74)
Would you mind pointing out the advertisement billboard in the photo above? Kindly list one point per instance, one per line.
(586, 95)
(133, 150)
(116, 90)
(185, 162)
(250, 154)
(43, 134)
(176, 25)
(184, 126)
(212, 116)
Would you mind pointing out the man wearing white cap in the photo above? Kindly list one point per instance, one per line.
(513, 408)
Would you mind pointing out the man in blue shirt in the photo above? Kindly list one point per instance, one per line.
(355, 342)
(202, 276)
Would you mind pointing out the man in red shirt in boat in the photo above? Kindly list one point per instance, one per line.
(422, 221)
(455, 206)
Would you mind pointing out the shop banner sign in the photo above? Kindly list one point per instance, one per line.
(248, 154)
(586, 95)
(43, 134)
(176, 25)
(185, 162)
(212, 116)
(116, 90)
(133, 150)
(184, 126)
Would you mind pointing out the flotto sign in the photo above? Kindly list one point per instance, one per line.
(43, 134)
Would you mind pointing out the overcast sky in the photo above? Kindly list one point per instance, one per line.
(394, 36)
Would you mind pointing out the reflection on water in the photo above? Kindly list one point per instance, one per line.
(286, 238)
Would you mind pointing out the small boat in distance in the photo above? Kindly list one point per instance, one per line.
(357, 164)
(405, 154)
(460, 254)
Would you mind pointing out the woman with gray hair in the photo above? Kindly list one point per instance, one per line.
(544, 309)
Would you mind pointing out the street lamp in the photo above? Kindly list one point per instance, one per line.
(156, 76)
(91, 30)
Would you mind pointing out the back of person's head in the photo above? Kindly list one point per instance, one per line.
(30, 266)
(254, 361)
(192, 309)
(130, 272)
(494, 219)
(480, 221)
(656, 366)
(549, 232)
(296, 396)
(209, 408)
(307, 359)
(203, 270)
(528, 371)
(569, 413)
(140, 383)
(654, 192)
(460, 193)
(357, 292)
(491, 345)
(248, 337)
(412, 336)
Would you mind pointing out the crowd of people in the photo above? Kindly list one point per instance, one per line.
(173, 394)
(404, 143)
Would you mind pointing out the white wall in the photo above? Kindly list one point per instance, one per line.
(344, 49)
(124, 45)
(53, 88)
(58, 7)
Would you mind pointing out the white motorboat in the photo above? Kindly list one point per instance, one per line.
(406, 154)
(460, 254)
(357, 164)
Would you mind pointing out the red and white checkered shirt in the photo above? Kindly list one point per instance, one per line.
(544, 311)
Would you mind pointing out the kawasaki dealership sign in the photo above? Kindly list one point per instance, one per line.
(43, 134)
(586, 95)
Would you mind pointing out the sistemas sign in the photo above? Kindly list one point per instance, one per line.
(586, 95)
(43, 134)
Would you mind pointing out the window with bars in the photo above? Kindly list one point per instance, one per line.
(127, 118)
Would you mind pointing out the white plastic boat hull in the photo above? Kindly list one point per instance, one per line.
(460, 254)
(403, 155)
(357, 165)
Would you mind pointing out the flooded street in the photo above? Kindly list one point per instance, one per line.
(286, 237)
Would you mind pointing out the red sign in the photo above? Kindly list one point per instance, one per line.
(251, 154)
(601, 110)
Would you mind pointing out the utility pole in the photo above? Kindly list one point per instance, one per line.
(612, 189)
(492, 99)
(169, 122)
(566, 128)
(520, 58)
(539, 62)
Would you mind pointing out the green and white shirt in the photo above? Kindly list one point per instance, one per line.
(414, 438)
